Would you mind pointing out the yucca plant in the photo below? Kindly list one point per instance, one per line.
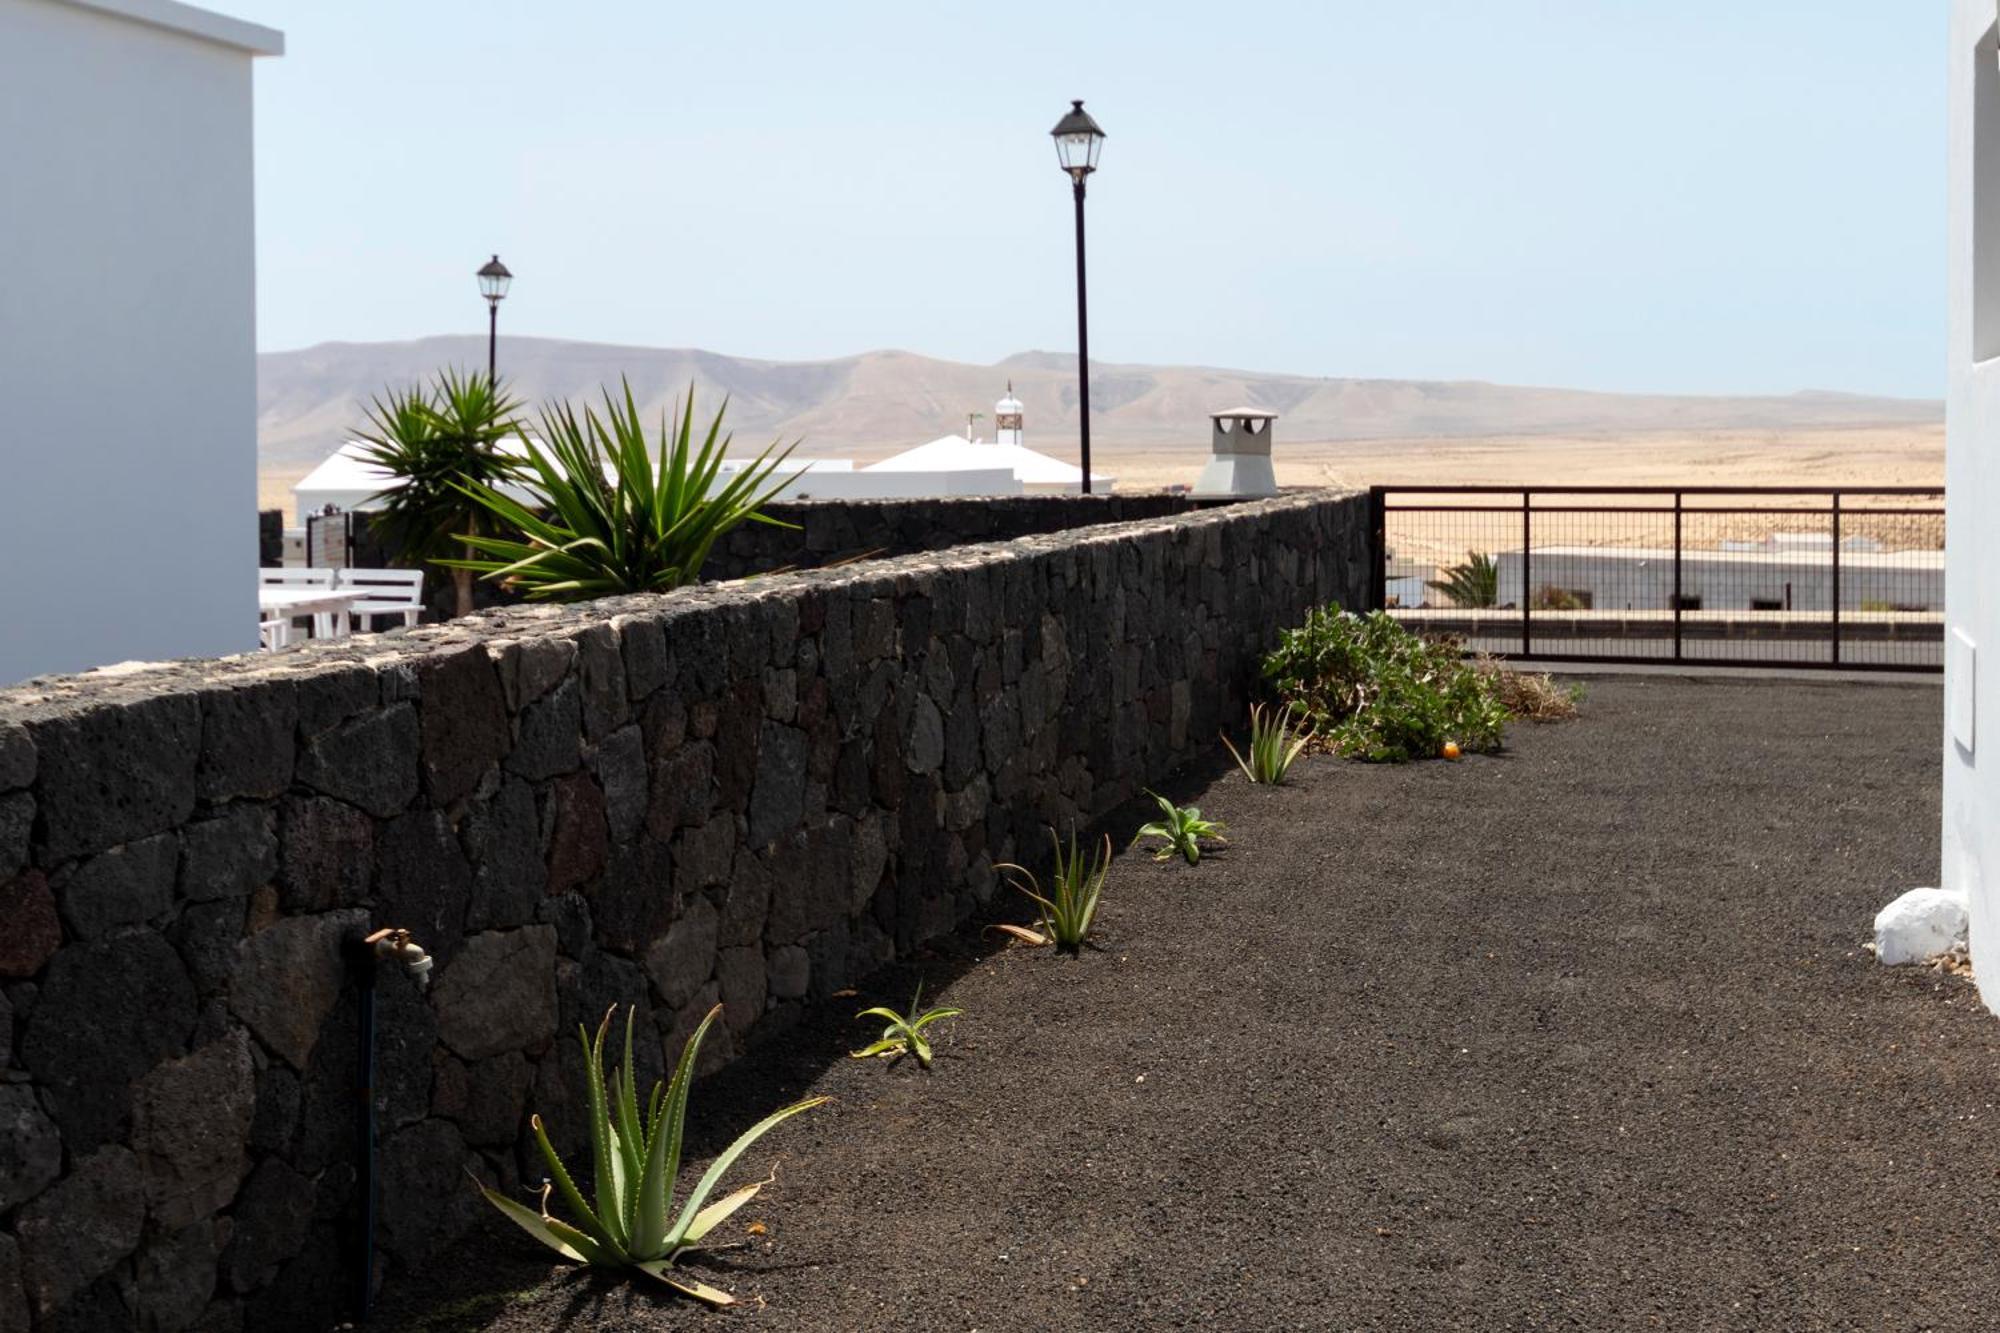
(905, 1033)
(1272, 746)
(613, 512)
(635, 1163)
(1070, 905)
(1182, 827)
(434, 440)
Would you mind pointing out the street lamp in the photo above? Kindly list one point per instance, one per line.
(1078, 140)
(493, 280)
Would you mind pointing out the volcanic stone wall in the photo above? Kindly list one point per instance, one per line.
(750, 793)
(824, 532)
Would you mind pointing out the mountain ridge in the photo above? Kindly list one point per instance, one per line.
(875, 402)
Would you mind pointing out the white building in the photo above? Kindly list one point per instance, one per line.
(1787, 572)
(347, 481)
(128, 518)
(951, 465)
(1035, 473)
(1971, 826)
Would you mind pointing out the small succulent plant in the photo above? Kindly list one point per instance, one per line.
(904, 1034)
(1183, 828)
(1070, 905)
(1273, 747)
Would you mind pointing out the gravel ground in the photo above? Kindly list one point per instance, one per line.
(1581, 1036)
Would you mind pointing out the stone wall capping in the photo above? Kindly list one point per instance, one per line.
(757, 791)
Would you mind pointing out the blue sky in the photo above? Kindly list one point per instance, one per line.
(1704, 196)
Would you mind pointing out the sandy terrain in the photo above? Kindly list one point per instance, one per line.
(1880, 456)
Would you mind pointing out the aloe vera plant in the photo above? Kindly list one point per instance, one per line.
(1183, 828)
(1272, 746)
(905, 1033)
(635, 1161)
(1070, 905)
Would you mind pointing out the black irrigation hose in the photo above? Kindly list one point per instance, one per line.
(361, 958)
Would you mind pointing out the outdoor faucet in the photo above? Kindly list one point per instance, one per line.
(394, 943)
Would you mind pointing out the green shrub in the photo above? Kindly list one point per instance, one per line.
(1372, 690)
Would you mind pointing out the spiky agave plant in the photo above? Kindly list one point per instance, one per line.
(1183, 828)
(1070, 905)
(635, 1164)
(614, 511)
(1272, 746)
(905, 1033)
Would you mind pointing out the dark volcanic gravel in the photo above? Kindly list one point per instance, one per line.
(1578, 1037)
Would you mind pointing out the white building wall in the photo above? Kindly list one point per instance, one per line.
(128, 375)
(1723, 581)
(1971, 832)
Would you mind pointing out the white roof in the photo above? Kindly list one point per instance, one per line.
(952, 453)
(348, 480)
(1243, 414)
(171, 16)
(346, 469)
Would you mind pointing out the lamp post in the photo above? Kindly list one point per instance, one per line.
(493, 281)
(1078, 140)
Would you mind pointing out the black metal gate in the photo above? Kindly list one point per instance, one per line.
(1845, 578)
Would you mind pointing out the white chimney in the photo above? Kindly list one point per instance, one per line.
(1239, 463)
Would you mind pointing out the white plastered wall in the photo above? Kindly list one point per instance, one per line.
(1971, 831)
(128, 367)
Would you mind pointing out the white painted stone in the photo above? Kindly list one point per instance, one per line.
(1921, 924)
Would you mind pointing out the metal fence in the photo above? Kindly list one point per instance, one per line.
(1705, 575)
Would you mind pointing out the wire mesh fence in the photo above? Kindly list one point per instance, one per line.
(1705, 575)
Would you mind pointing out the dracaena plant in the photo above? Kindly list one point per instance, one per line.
(1183, 828)
(434, 441)
(904, 1034)
(629, 1223)
(613, 511)
(1069, 906)
(1273, 746)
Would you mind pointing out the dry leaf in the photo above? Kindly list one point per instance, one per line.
(1021, 933)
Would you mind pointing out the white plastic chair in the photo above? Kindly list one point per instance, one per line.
(388, 592)
(274, 634)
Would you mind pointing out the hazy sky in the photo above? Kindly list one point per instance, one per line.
(1706, 195)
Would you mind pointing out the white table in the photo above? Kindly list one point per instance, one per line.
(282, 603)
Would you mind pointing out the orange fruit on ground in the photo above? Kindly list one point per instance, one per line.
(1451, 749)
